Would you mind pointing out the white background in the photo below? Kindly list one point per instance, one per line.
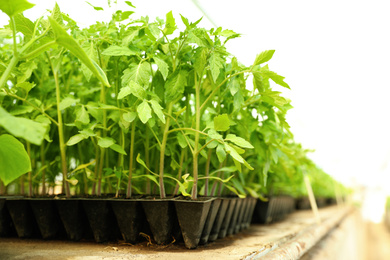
(334, 54)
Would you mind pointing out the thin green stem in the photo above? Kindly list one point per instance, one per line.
(60, 131)
(195, 156)
(42, 155)
(162, 152)
(220, 85)
(131, 161)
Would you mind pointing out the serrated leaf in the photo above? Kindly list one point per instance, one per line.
(158, 110)
(76, 139)
(234, 85)
(24, 25)
(174, 86)
(144, 112)
(27, 86)
(124, 92)
(137, 90)
(65, 40)
(139, 73)
(14, 160)
(170, 24)
(129, 116)
(129, 4)
(162, 66)
(117, 148)
(238, 141)
(185, 21)
(275, 77)
(233, 153)
(200, 60)
(13, 7)
(114, 50)
(221, 122)
(25, 70)
(67, 102)
(263, 57)
(105, 142)
(216, 62)
(82, 116)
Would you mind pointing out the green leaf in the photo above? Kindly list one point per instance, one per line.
(144, 112)
(162, 66)
(225, 169)
(27, 129)
(105, 142)
(24, 25)
(140, 161)
(129, 4)
(221, 154)
(170, 24)
(124, 92)
(118, 148)
(12, 7)
(174, 86)
(95, 7)
(65, 40)
(20, 110)
(263, 57)
(233, 153)
(137, 90)
(158, 110)
(67, 102)
(200, 60)
(139, 73)
(76, 139)
(181, 140)
(221, 122)
(82, 116)
(238, 141)
(185, 21)
(216, 62)
(275, 77)
(27, 86)
(14, 160)
(129, 116)
(25, 70)
(114, 50)
(234, 85)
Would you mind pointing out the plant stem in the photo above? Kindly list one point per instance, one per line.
(30, 193)
(207, 171)
(100, 171)
(22, 185)
(195, 156)
(147, 158)
(60, 131)
(131, 161)
(96, 170)
(42, 154)
(162, 152)
(183, 152)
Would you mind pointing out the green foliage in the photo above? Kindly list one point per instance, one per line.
(14, 160)
(85, 98)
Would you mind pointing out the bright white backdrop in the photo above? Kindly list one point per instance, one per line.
(335, 56)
